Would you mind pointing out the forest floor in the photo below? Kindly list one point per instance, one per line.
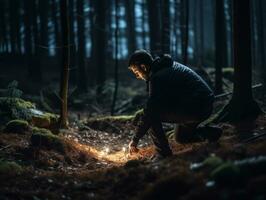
(96, 165)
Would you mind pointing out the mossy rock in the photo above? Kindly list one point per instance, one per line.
(14, 108)
(227, 173)
(44, 120)
(44, 138)
(10, 168)
(212, 162)
(17, 126)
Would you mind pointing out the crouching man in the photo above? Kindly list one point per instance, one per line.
(177, 94)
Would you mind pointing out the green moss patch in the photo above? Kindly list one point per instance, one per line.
(17, 126)
(45, 139)
(10, 168)
(14, 108)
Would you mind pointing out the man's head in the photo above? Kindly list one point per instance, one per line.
(140, 63)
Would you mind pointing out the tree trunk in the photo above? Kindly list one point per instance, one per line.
(99, 45)
(116, 58)
(184, 19)
(82, 73)
(43, 10)
(165, 27)
(73, 77)
(35, 72)
(201, 36)
(56, 28)
(242, 105)
(130, 15)
(14, 26)
(261, 42)
(220, 45)
(155, 26)
(65, 62)
(3, 37)
(143, 5)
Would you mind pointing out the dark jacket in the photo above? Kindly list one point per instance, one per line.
(177, 89)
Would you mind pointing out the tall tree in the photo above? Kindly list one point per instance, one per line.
(201, 35)
(220, 45)
(165, 26)
(14, 26)
(184, 19)
(261, 40)
(3, 37)
(43, 10)
(242, 104)
(65, 62)
(143, 21)
(130, 15)
(73, 77)
(99, 44)
(155, 26)
(56, 26)
(116, 58)
(82, 73)
(35, 70)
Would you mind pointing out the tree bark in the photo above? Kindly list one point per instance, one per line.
(220, 45)
(65, 62)
(261, 42)
(201, 36)
(130, 15)
(155, 26)
(242, 104)
(82, 72)
(99, 45)
(184, 19)
(43, 10)
(116, 58)
(165, 27)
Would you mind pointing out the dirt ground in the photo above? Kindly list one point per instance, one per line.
(96, 165)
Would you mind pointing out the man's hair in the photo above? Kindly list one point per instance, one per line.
(140, 57)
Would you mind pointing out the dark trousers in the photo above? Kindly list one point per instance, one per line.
(188, 122)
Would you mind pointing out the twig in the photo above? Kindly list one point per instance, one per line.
(5, 147)
(228, 93)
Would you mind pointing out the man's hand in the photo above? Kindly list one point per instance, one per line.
(132, 147)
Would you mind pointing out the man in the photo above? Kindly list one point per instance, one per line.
(176, 95)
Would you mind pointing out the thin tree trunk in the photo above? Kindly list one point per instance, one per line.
(130, 14)
(14, 25)
(155, 26)
(202, 46)
(116, 58)
(165, 26)
(43, 10)
(261, 40)
(99, 45)
(143, 24)
(35, 71)
(4, 41)
(242, 105)
(56, 28)
(82, 73)
(65, 62)
(184, 29)
(220, 45)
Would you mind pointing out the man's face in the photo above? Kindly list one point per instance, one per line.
(140, 71)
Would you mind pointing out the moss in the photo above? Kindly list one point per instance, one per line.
(44, 138)
(17, 126)
(14, 108)
(10, 168)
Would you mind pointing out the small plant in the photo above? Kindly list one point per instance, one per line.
(13, 91)
(17, 126)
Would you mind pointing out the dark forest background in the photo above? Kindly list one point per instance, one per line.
(103, 34)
